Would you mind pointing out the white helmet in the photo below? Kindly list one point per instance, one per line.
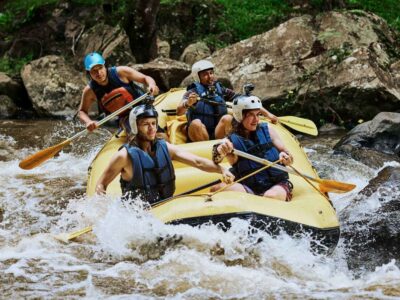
(140, 112)
(199, 66)
(244, 102)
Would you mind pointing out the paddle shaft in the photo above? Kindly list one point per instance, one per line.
(279, 167)
(110, 116)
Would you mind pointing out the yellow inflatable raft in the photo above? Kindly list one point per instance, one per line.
(309, 211)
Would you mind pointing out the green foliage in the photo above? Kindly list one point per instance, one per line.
(244, 19)
(13, 66)
(387, 9)
(19, 12)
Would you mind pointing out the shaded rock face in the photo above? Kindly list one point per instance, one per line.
(166, 72)
(334, 66)
(53, 85)
(7, 107)
(370, 224)
(375, 141)
(13, 96)
(112, 42)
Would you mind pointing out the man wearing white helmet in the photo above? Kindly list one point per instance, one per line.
(205, 107)
(145, 163)
(111, 88)
(259, 139)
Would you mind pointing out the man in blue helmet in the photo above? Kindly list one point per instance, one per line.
(205, 107)
(111, 88)
(145, 163)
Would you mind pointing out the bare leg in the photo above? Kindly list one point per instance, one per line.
(197, 131)
(237, 187)
(224, 127)
(276, 192)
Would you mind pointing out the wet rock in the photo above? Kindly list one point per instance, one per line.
(195, 52)
(7, 107)
(14, 89)
(166, 72)
(370, 226)
(53, 85)
(334, 66)
(163, 49)
(374, 142)
(329, 128)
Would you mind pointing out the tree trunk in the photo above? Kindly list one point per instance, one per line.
(140, 26)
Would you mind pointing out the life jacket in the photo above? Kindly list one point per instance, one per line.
(153, 177)
(262, 147)
(115, 94)
(208, 113)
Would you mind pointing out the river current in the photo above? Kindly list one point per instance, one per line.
(131, 255)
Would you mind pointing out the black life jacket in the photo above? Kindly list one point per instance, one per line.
(208, 113)
(153, 177)
(116, 93)
(261, 147)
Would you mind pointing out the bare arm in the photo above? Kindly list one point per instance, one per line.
(201, 163)
(88, 98)
(116, 166)
(267, 114)
(284, 154)
(127, 74)
(188, 99)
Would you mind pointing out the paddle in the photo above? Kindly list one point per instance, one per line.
(41, 156)
(326, 185)
(66, 237)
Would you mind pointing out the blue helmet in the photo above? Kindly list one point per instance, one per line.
(93, 59)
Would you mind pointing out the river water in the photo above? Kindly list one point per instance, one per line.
(131, 255)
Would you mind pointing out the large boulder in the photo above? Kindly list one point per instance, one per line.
(335, 66)
(370, 225)
(112, 42)
(374, 142)
(166, 72)
(53, 85)
(195, 52)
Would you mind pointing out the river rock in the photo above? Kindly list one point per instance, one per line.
(335, 66)
(195, 52)
(167, 73)
(374, 142)
(370, 224)
(53, 85)
(7, 107)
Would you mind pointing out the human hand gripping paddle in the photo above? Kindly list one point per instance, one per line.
(38, 158)
(326, 185)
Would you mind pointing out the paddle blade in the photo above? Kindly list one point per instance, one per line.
(300, 124)
(66, 237)
(38, 158)
(333, 186)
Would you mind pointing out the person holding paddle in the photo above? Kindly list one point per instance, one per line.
(205, 107)
(145, 163)
(260, 140)
(112, 88)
